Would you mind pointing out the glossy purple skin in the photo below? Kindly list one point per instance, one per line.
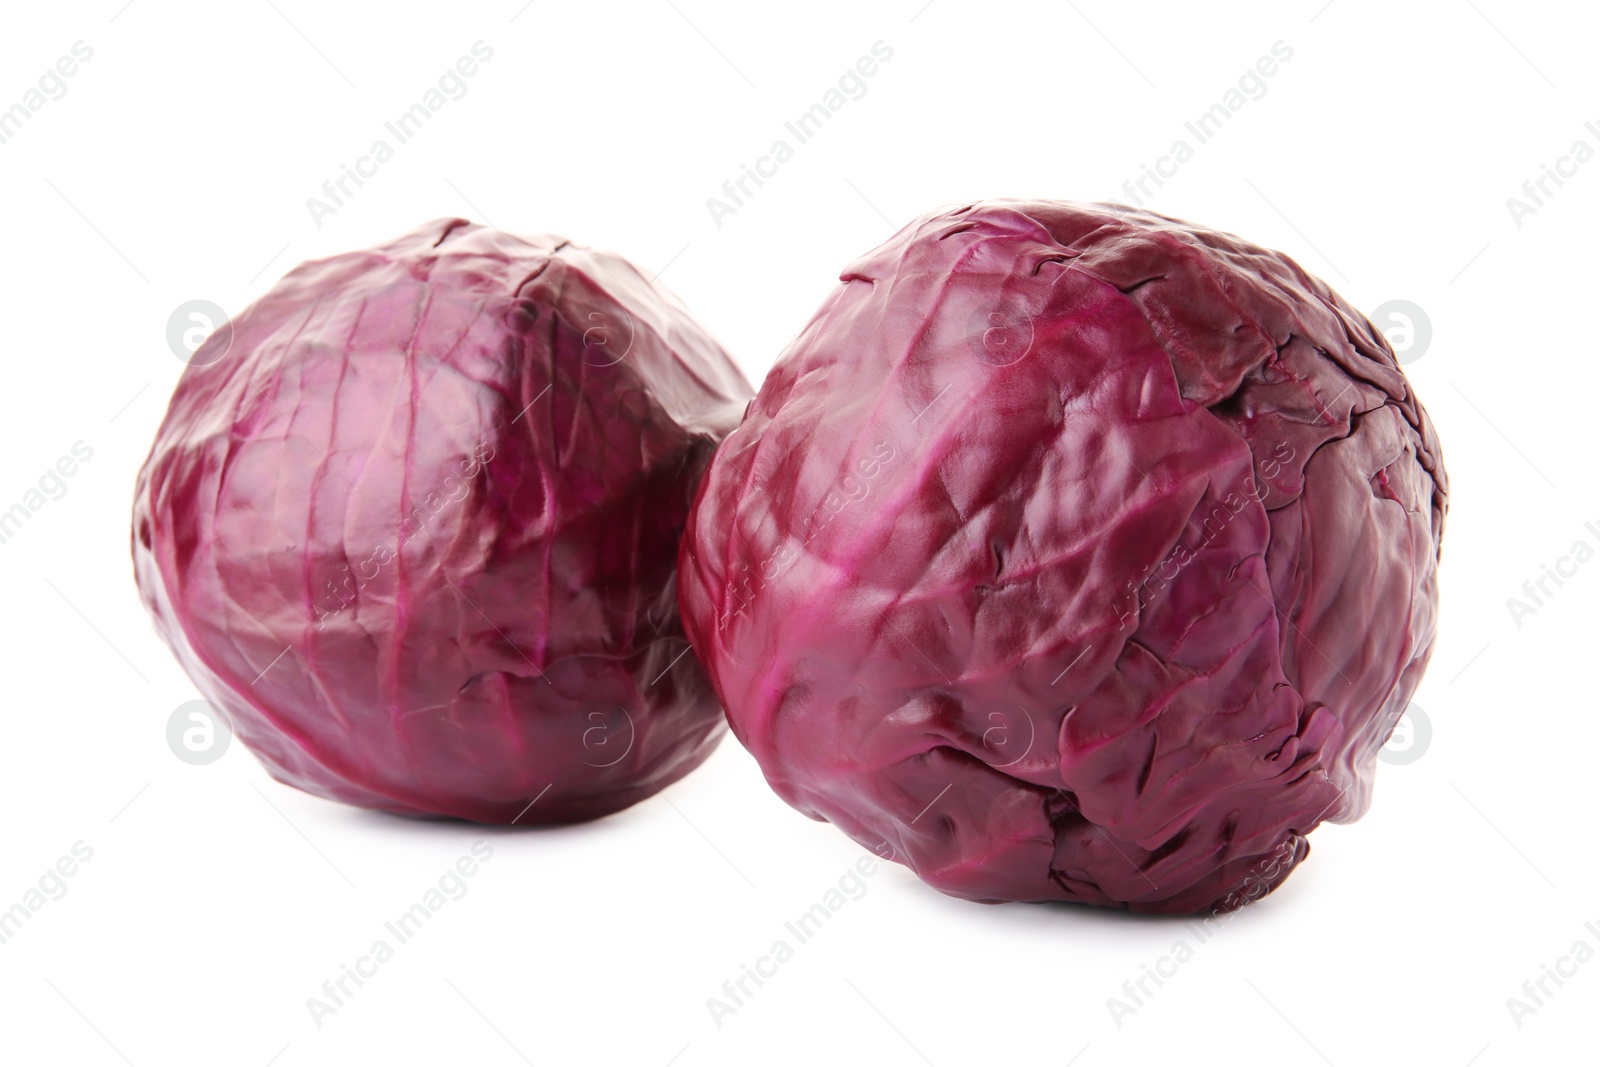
(1073, 553)
(416, 531)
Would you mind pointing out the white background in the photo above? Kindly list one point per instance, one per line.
(177, 166)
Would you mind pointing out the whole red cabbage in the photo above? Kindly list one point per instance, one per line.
(416, 529)
(1073, 553)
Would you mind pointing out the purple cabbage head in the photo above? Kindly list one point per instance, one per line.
(415, 531)
(1073, 553)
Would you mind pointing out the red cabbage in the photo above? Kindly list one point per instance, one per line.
(1073, 552)
(416, 531)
